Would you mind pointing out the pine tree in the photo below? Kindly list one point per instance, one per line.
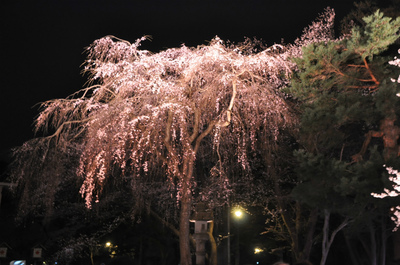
(345, 91)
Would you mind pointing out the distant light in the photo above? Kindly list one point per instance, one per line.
(257, 262)
(398, 94)
(258, 250)
(108, 244)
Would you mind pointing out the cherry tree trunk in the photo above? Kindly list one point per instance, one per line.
(184, 231)
(184, 222)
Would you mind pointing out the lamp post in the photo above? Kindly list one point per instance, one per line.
(238, 213)
(229, 235)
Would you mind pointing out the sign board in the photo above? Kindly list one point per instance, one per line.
(37, 253)
(3, 252)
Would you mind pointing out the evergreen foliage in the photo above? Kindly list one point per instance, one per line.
(340, 85)
(344, 90)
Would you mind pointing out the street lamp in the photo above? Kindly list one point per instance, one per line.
(238, 213)
(111, 249)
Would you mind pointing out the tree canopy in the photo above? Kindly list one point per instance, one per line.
(345, 91)
(151, 117)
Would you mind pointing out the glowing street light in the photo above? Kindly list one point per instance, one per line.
(238, 213)
(111, 249)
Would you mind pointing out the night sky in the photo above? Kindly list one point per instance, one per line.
(42, 42)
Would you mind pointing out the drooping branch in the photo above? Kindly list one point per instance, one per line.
(229, 110)
(168, 129)
(204, 134)
(218, 123)
(196, 125)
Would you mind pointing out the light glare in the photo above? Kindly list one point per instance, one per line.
(238, 213)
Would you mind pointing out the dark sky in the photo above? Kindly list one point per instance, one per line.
(42, 40)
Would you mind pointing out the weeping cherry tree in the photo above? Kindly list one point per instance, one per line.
(150, 114)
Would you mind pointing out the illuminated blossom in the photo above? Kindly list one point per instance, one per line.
(392, 193)
(396, 62)
(150, 111)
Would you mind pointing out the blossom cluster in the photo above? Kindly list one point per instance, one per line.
(396, 62)
(392, 193)
(149, 114)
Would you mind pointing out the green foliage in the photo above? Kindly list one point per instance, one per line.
(375, 38)
(344, 91)
(342, 188)
(385, 100)
(366, 8)
(344, 82)
(319, 177)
